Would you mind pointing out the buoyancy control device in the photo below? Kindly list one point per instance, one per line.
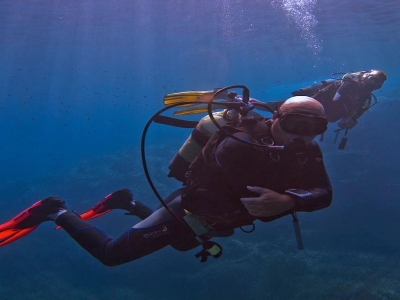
(200, 135)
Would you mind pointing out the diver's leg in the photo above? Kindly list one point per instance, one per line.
(155, 232)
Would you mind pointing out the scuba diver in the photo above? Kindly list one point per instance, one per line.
(347, 99)
(251, 169)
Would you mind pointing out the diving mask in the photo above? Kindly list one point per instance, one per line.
(303, 125)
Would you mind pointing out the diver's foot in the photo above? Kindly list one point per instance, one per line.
(140, 210)
(123, 199)
(43, 210)
(30, 218)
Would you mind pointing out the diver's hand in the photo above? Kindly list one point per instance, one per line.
(269, 203)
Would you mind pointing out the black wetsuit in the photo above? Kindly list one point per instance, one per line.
(351, 102)
(158, 230)
(219, 178)
(231, 168)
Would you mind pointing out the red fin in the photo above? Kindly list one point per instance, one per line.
(91, 214)
(10, 235)
(15, 228)
(96, 211)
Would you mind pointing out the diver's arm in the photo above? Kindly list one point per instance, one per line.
(315, 194)
(268, 203)
(319, 198)
(235, 158)
(316, 183)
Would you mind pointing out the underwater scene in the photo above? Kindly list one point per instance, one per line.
(80, 81)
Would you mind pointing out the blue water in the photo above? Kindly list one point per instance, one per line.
(80, 79)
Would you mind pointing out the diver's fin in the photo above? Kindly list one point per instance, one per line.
(121, 199)
(190, 96)
(198, 109)
(10, 235)
(204, 108)
(98, 210)
(20, 225)
(194, 96)
(191, 111)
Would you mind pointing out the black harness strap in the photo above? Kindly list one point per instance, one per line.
(175, 122)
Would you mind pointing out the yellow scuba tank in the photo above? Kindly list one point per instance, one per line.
(198, 139)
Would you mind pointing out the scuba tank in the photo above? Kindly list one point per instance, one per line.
(313, 89)
(198, 139)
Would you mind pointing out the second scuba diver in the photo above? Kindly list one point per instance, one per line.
(345, 99)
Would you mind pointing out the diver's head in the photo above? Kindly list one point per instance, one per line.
(299, 117)
(373, 79)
